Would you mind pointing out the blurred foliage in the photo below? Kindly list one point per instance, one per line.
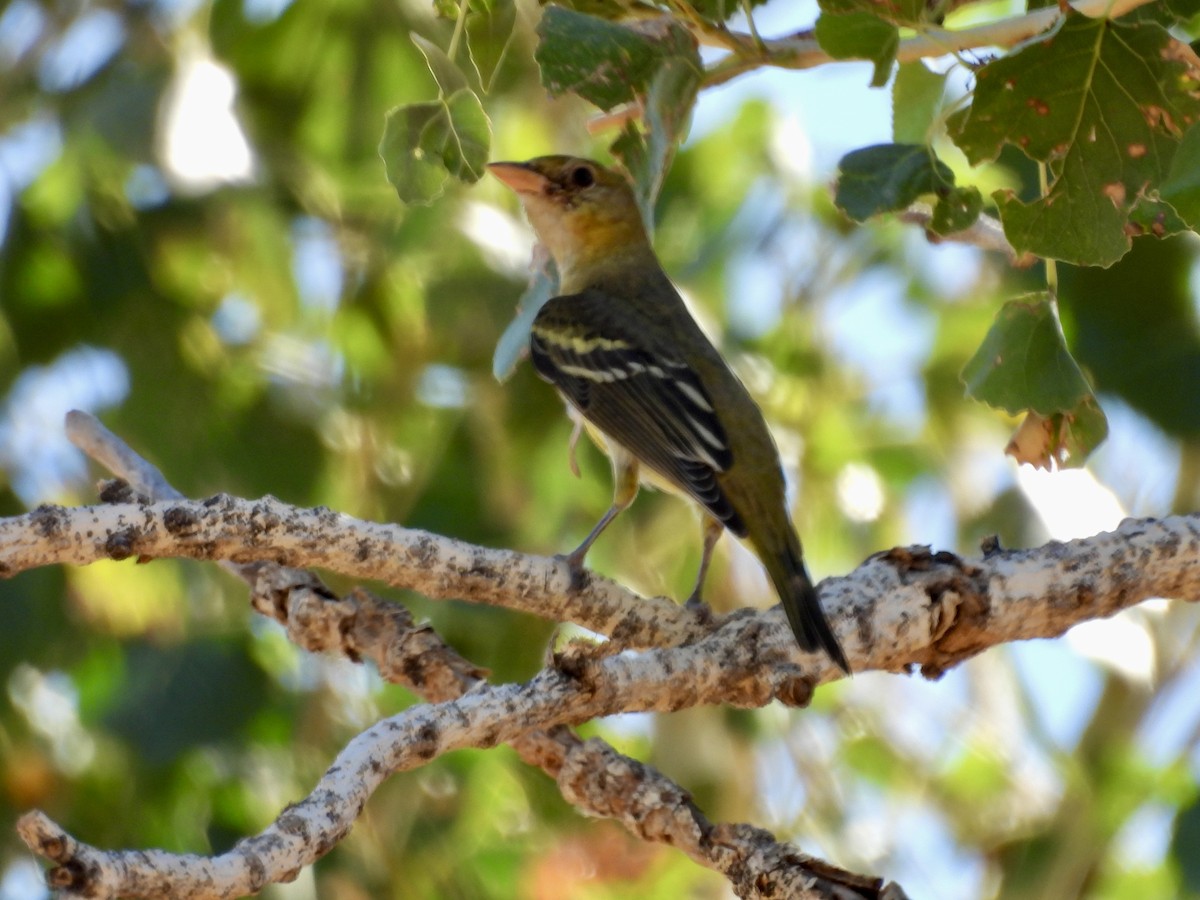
(200, 240)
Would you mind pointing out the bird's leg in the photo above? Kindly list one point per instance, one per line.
(571, 444)
(712, 533)
(625, 477)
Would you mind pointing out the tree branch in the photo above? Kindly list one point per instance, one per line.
(802, 51)
(902, 608)
(985, 232)
(364, 626)
(266, 530)
(1010, 595)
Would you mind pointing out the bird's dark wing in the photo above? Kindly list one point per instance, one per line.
(637, 392)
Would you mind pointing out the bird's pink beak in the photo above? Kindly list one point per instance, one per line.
(521, 177)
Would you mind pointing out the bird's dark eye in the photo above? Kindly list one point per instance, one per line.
(583, 176)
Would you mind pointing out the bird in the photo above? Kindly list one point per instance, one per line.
(647, 384)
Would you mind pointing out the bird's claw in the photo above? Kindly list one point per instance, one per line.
(575, 568)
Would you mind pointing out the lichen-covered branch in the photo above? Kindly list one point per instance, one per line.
(267, 530)
(904, 608)
(898, 609)
(363, 626)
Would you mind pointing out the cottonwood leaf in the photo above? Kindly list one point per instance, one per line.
(646, 152)
(1024, 365)
(604, 62)
(424, 144)
(860, 35)
(916, 98)
(1182, 186)
(888, 177)
(1104, 105)
(448, 76)
(490, 25)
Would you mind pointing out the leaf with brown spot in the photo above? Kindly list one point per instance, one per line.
(1104, 104)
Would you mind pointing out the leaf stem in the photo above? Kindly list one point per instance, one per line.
(460, 25)
(1050, 264)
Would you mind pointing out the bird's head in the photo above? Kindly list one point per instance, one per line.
(585, 215)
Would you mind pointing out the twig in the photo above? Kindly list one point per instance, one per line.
(985, 232)
(803, 52)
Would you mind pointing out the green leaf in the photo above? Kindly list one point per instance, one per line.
(1080, 431)
(888, 177)
(1182, 186)
(956, 209)
(1167, 13)
(515, 340)
(467, 141)
(860, 35)
(916, 98)
(647, 152)
(1104, 105)
(899, 12)
(1184, 842)
(426, 143)
(1183, 10)
(1024, 363)
(1133, 329)
(448, 76)
(606, 63)
(490, 27)
(1155, 217)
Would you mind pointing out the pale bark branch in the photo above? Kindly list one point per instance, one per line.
(267, 530)
(901, 609)
(898, 608)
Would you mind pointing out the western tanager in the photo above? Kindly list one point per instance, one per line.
(652, 390)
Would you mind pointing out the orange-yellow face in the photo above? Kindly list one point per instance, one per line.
(582, 212)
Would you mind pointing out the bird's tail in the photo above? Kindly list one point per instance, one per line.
(800, 602)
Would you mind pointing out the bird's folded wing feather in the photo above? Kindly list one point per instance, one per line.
(638, 393)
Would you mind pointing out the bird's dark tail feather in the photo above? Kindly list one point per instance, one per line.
(804, 610)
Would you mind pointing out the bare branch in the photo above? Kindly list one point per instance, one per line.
(1020, 594)
(803, 52)
(579, 690)
(362, 625)
(228, 528)
(907, 607)
(985, 232)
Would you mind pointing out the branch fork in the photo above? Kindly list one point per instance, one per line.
(901, 610)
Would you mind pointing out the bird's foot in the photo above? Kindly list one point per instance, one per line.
(574, 561)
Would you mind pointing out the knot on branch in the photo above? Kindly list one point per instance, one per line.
(118, 490)
(71, 871)
(596, 777)
(958, 603)
(49, 521)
